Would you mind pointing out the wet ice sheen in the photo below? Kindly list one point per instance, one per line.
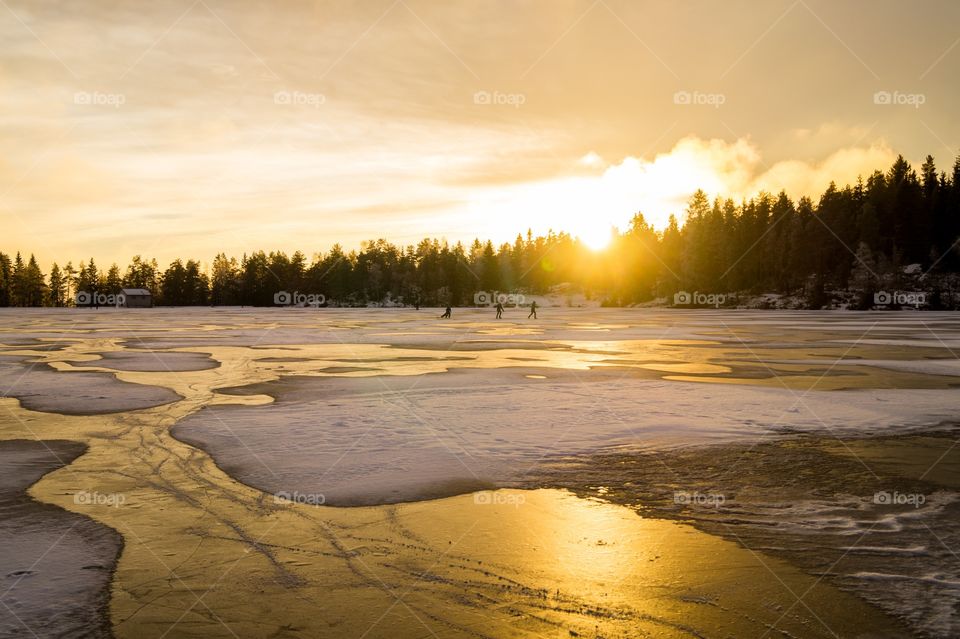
(522, 564)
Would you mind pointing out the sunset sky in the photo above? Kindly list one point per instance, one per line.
(189, 127)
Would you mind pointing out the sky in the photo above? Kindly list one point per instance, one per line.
(184, 128)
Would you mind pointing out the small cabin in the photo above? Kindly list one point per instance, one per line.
(136, 298)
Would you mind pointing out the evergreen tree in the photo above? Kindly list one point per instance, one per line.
(69, 281)
(6, 270)
(762, 244)
(58, 287)
(18, 283)
(224, 281)
(113, 282)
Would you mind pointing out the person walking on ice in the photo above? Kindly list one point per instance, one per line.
(533, 310)
(446, 314)
(499, 310)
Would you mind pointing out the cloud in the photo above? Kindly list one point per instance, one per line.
(842, 166)
(591, 159)
(399, 147)
(737, 170)
(588, 205)
(734, 170)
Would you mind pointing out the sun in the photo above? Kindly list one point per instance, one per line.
(596, 238)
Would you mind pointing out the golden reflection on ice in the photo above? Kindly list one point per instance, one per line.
(210, 557)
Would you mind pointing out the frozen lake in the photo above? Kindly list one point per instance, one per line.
(210, 422)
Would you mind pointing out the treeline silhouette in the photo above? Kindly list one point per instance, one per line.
(897, 228)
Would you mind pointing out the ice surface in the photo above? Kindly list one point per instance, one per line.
(55, 566)
(381, 405)
(495, 428)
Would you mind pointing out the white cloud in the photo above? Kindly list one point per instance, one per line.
(842, 166)
(591, 159)
(588, 206)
